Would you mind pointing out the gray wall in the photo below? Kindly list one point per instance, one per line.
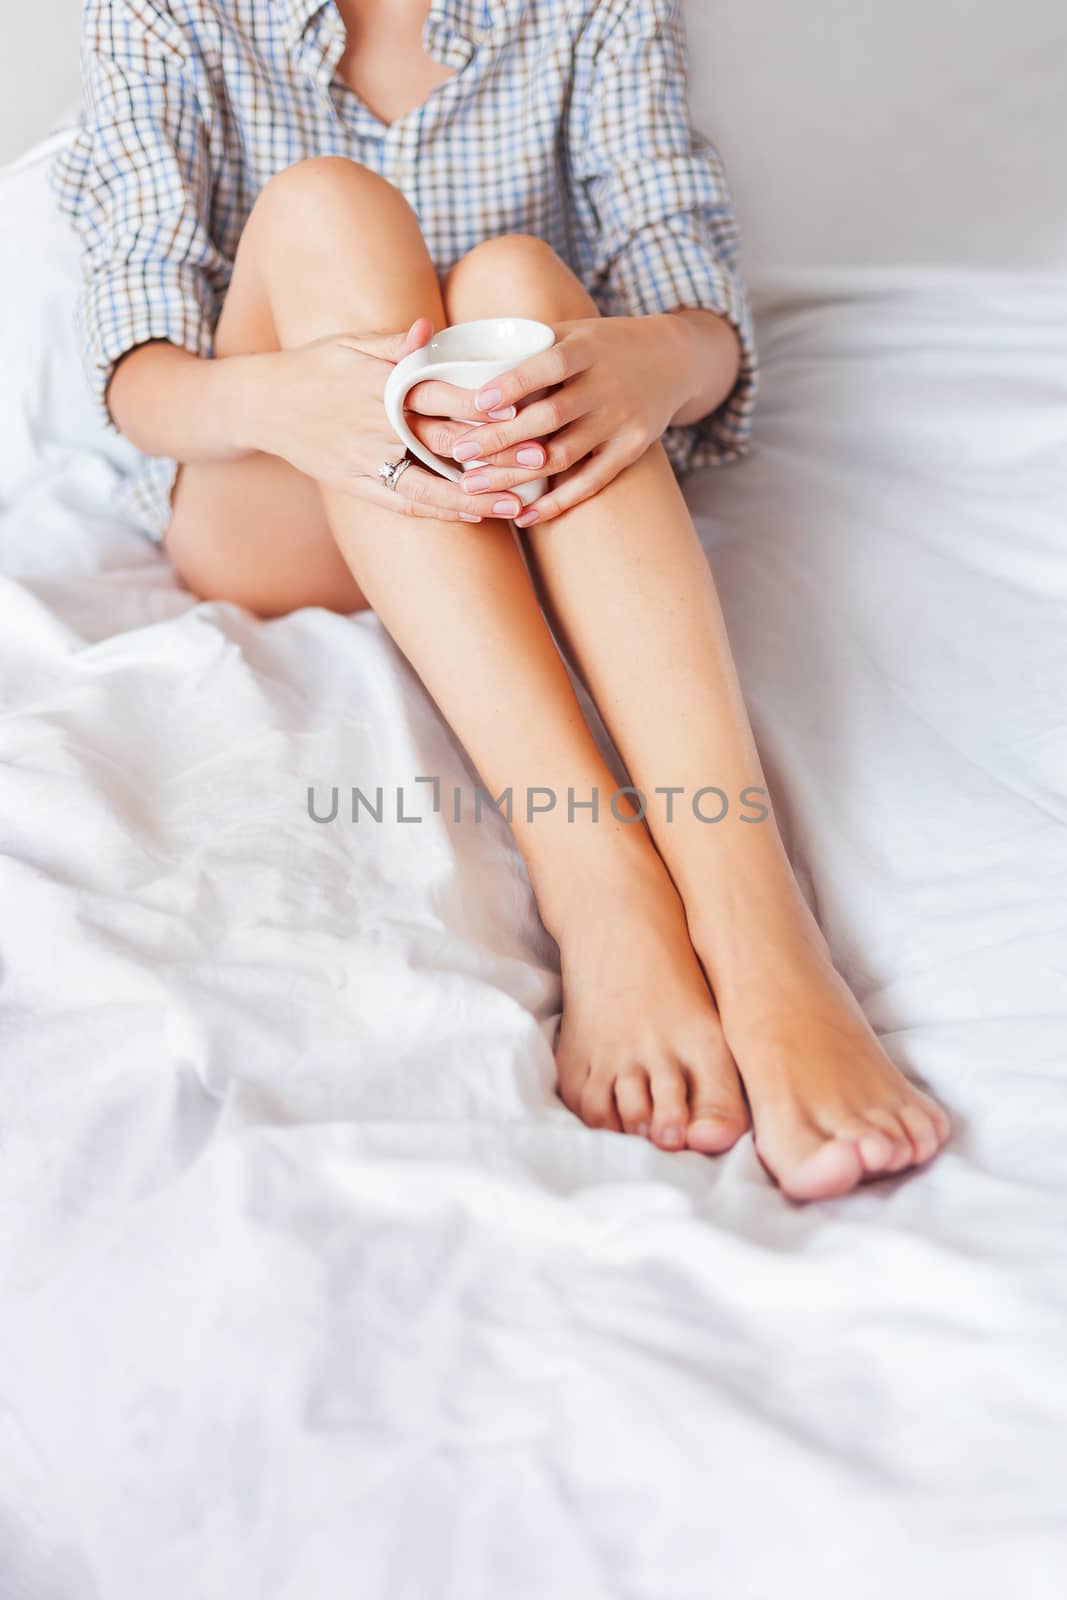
(38, 68)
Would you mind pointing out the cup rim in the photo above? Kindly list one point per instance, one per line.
(541, 337)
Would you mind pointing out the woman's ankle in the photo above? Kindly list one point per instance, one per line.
(757, 931)
(616, 877)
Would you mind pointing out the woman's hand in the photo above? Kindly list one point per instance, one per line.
(321, 407)
(614, 384)
(441, 415)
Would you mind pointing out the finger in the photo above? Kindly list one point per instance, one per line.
(437, 434)
(420, 488)
(436, 399)
(440, 435)
(392, 346)
(419, 334)
(567, 357)
(563, 451)
(529, 456)
(388, 500)
(538, 420)
(594, 474)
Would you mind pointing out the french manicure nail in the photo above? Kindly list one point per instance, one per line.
(465, 516)
(475, 481)
(488, 399)
(642, 1130)
(671, 1135)
(527, 519)
(505, 508)
(505, 414)
(530, 457)
(465, 452)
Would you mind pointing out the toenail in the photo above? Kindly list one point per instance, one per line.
(642, 1130)
(671, 1135)
(714, 1123)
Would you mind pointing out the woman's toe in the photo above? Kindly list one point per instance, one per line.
(877, 1152)
(942, 1123)
(718, 1115)
(812, 1167)
(711, 1132)
(670, 1106)
(717, 1119)
(941, 1120)
(920, 1126)
(598, 1102)
(889, 1123)
(633, 1099)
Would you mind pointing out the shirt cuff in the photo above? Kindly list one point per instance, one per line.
(670, 265)
(123, 308)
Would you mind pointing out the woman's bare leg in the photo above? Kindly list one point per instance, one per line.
(332, 248)
(631, 596)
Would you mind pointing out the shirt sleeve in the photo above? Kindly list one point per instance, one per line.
(136, 182)
(663, 232)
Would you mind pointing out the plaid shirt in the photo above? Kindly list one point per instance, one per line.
(566, 119)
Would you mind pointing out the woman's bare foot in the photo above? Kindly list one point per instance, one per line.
(829, 1108)
(641, 1049)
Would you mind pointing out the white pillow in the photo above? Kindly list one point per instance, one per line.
(889, 132)
(45, 408)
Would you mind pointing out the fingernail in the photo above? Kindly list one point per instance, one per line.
(465, 452)
(488, 399)
(527, 519)
(505, 414)
(505, 508)
(530, 457)
(475, 481)
(465, 516)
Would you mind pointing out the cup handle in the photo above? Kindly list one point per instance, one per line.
(418, 367)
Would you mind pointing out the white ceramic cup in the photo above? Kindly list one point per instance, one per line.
(466, 355)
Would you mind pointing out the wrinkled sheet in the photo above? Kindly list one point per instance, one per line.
(311, 1286)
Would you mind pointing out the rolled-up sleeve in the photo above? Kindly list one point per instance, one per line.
(661, 229)
(136, 182)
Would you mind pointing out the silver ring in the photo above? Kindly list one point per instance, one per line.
(390, 472)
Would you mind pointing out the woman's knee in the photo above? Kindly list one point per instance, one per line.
(322, 180)
(524, 270)
(334, 223)
(323, 191)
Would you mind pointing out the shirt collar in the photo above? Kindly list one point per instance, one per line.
(298, 13)
(471, 19)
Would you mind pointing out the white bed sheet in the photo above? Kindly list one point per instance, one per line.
(310, 1285)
